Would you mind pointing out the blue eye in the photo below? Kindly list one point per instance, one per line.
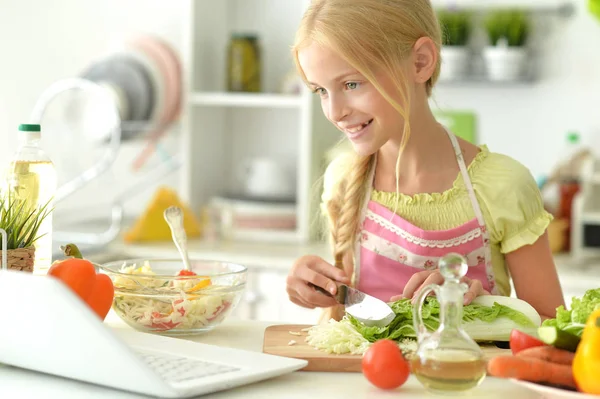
(320, 91)
(352, 85)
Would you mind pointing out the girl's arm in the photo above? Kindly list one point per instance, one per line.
(534, 277)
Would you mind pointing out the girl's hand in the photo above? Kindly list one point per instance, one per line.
(422, 279)
(312, 269)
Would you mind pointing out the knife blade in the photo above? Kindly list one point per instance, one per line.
(365, 308)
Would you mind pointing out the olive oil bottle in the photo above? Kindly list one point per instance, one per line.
(449, 370)
(447, 360)
(32, 178)
(244, 68)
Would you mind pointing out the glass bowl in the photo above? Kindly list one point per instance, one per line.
(151, 296)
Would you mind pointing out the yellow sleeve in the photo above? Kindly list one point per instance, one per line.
(514, 203)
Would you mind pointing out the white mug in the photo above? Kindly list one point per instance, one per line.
(264, 177)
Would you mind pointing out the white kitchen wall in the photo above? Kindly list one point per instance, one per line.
(44, 41)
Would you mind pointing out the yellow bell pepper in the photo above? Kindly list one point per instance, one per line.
(586, 364)
(204, 283)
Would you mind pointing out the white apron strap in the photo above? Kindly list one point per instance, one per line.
(477, 210)
(465, 175)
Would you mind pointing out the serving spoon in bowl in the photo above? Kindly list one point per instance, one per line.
(174, 217)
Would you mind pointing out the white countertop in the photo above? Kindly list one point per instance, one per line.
(17, 384)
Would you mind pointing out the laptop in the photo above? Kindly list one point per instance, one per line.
(46, 328)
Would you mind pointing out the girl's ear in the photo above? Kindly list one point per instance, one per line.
(424, 60)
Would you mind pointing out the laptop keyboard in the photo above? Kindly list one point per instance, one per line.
(174, 369)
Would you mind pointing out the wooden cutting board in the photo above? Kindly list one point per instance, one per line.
(277, 342)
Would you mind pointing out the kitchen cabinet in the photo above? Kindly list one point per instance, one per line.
(222, 130)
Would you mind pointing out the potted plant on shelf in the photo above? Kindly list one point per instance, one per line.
(506, 55)
(21, 224)
(456, 29)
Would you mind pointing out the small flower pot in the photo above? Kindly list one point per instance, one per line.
(505, 63)
(455, 63)
(20, 259)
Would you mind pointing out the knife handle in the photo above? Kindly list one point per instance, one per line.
(340, 295)
(319, 289)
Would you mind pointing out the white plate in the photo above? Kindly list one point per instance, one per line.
(553, 393)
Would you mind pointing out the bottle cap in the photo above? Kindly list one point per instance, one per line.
(453, 266)
(29, 128)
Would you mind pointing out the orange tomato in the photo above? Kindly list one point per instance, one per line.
(384, 365)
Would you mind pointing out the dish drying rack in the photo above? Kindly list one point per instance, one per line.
(106, 161)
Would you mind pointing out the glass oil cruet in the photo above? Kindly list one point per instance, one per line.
(447, 360)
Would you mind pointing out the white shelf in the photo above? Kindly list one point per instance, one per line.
(485, 83)
(219, 99)
(593, 179)
(590, 217)
(534, 5)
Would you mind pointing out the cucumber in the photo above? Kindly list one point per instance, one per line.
(558, 338)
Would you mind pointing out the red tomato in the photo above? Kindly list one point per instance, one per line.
(184, 272)
(519, 341)
(384, 365)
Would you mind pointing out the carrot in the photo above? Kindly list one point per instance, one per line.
(531, 369)
(549, 354)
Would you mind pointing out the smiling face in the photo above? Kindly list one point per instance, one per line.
(349, 100)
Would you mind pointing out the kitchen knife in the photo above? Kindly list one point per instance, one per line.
(365, 308)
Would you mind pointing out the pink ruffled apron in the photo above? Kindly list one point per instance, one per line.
(389, 249)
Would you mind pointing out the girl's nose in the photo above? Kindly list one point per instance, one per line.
(338, 109)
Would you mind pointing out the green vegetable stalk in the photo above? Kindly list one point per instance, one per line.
(71, 250)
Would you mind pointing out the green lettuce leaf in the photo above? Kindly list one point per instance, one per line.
(573, 320)
(402, 325)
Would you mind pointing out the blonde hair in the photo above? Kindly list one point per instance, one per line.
(370, 35)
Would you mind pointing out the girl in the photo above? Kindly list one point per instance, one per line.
(411, 191)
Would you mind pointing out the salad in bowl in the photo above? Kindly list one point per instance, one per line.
(158, 295)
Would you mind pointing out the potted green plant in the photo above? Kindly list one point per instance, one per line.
(594, 8)
(21, 223)
(506, 55)
(456, 29)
